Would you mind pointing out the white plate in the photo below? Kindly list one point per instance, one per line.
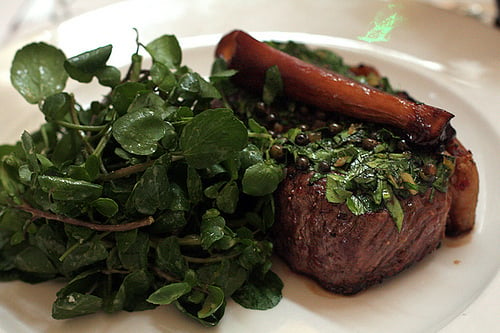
(442, 59)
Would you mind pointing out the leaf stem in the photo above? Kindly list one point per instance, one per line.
(89, 128)
(127, 171)
(102, 143)
(36, 213)
(208, 260)
(259, 135)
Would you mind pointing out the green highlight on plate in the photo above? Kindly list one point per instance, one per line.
(383, 24)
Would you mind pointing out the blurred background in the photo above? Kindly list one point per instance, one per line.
(23, 17)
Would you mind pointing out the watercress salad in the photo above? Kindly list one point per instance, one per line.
(147, 196)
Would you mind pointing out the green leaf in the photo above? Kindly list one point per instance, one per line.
(393, 206)
(132, 293)
(57, 107)
(108, 76)
(68, 189)
(260, 294)
(273, 85)
(151, 101)
(249, 156)
(67, 148)
(124, 94)
(261, 179)
(178, 199)
(85, 66)
(228, 275)
(33, 260)
(105, 206)
(50, 240)
(125, 239)
(211, 229)
(74, 305)
(213, 302)
(211, 137)
(83, 255)
(227, 198)
(92, 166)
(163, 77)
(139, 132)
(29, 151)
(169, 293)
(335, 192)
(169, 257)
(166, 50)
(38, 71)
(152, 191)
(135, 257)
(169, 221)
(81, 283)
(194, 186)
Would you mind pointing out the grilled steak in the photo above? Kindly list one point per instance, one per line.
(346, 253)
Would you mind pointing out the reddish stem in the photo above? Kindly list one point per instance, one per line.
(36, 213)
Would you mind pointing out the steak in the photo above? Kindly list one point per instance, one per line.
(346, 253)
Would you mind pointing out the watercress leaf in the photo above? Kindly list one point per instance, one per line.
(57, 106)
(212, 191)
(33, 260)
(178, 199)
(92, 166)
(250, 155)
(211, 229)
(125, 239)
(135, 257)
(108, 76)
(83, 255)
(211, 137)
(67, 148)
(75, 304)
(152, 191)
(77, 233)
(139, 132)
(227, 198)
(169, 257)
(105, 206)
(194, 185)
(38, 71)
(163, 77)
(84, 66)
(260, 294)
(132, 293)
(273, 85)
(169, 293)
(169, 222)
(189, 310)
(124, 94)
(261, 179)
(206, 89)
(50, 240)
(68, 189)
(29, 151)
(81, 283)
(213, 301)
(228, 275)
(150, 101)
(165, 50)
